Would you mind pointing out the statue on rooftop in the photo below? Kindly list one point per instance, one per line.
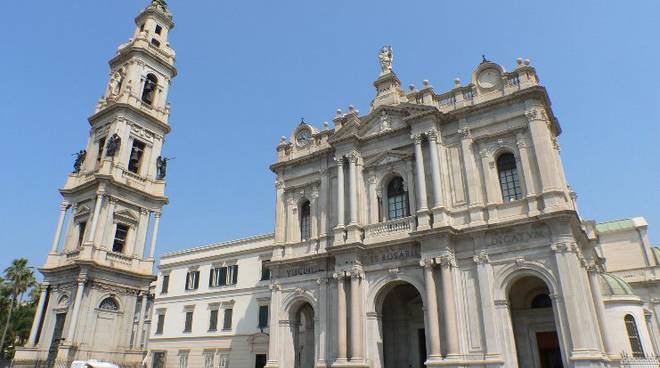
(113, 145)
(161, 166)
(386, 56)
(80, 158)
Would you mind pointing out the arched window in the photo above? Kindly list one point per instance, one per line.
(509, 181)
(149, 91)
(109, 304)
(541, 301)
(305, 228)
(633, 336)
(397, 199)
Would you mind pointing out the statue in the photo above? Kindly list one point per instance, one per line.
(386, 56)
(161, 166)
(113, 145)
(115, 84)
(80, 158)
(160, 3)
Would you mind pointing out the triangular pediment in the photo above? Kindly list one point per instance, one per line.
(387, 157)
(126, 215)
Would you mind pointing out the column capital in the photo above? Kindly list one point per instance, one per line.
(64, 205)
(427, 263)
(353, 157)
(417, 138)
(447, 259)
(339, 161)
(465, 133)
(481, 257)
(339, 275)
(433, 135)
(356, 274)
(279, 183)
(158, 214)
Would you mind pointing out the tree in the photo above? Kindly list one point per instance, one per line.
(19, 278)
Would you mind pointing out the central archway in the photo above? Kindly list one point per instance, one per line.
(403, 332)
(303, 336)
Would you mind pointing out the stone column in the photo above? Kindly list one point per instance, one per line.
(421, 176)
(492, 182)
(64, 206)
(486, 286)
(323, 199)
(322, 318)
(472, 177)
(543, 149)
(108, 234)
(280, 211)
(341, 317)
(448, 304)
(357, 354)
(154, 235)
(141, 236)
(528, 176)
(340, 192)
(314, 209)
(274, 338)
(140, 331)
(352, 179)
(600, 309)
(76, 310)
(432, 320)
(95, 219)
(38, 316)
(439, 216)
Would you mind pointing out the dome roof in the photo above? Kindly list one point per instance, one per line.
(611, 284)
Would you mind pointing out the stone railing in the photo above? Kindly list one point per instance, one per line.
(396, 227)
(118, 258)
(628, 361)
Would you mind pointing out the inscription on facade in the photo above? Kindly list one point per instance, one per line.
(300, 270)
(391, 254)
(517, 237)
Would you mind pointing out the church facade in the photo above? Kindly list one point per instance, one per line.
(435, 230)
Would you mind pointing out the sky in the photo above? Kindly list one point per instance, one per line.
(250, 70)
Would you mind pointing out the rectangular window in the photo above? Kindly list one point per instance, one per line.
(226, 325)
(192, 280)
(218, 277)
(213, 320)
(263, 316)
(265, 270)
(159, 29)
(81, 232)
(160, 325)
(232, 277)
(135, 160)
(166, 284)
(189, 322)
(209, 359)
(224, 361)
(183, 359)
(120, 238)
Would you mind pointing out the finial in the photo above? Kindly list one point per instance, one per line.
(527, 62)
(325, 125)
(351, 108)
(457, 82)
(302, 121)
(425, 82)
(282, 139)
(519, 61)
(412, 87)
(338, 112)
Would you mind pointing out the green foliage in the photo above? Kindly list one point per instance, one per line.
(17, 311)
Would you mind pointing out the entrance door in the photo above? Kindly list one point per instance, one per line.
(57, 337)
(549, 353)
(421, 346)
(260, 361)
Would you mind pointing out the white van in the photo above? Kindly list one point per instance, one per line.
(92, 364)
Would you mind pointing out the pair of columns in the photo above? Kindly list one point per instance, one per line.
(436, 179)
(352, 179)
(450, 326)
(64, 207)
(356, 338)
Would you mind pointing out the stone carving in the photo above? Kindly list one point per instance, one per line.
(386, 56)
(114, 289)
(561, 247)
(114, 87)
(416, 138)
(80, 158)
(385, 123)
(465, 133)
(481, 257)
(113, 145)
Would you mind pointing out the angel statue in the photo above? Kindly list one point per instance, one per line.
(385, 57)
(80, 158)
(161, 166)
(115, 84)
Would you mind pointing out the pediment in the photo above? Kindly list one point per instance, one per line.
(126, 215)
(82, 210)
(348, 130)
(387, 157)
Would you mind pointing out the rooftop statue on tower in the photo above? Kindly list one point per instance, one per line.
(386, 56)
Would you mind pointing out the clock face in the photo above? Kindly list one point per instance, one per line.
(304, 137)
(488, 78)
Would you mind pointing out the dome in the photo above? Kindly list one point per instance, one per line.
(611, 285)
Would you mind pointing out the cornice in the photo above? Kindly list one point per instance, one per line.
(302, 159)
(119, 105)
(129, 50)
(98, 179)
(217, 246)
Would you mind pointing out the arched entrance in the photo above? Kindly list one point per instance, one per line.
(303, 336)
(402, 328)
(534, 328)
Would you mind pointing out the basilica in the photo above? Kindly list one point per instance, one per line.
(436, 229)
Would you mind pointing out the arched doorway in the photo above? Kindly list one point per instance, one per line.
(303, 336)
(534, 327)
(404, 339)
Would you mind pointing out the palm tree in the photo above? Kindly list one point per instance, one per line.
(19, 278)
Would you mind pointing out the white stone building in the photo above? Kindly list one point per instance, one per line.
(435, 230)
(95, 301)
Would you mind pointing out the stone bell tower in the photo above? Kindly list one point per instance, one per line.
(95, 300)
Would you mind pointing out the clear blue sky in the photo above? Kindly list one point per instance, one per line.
(249, 70)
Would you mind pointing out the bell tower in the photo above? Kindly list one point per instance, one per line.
(95, 300)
